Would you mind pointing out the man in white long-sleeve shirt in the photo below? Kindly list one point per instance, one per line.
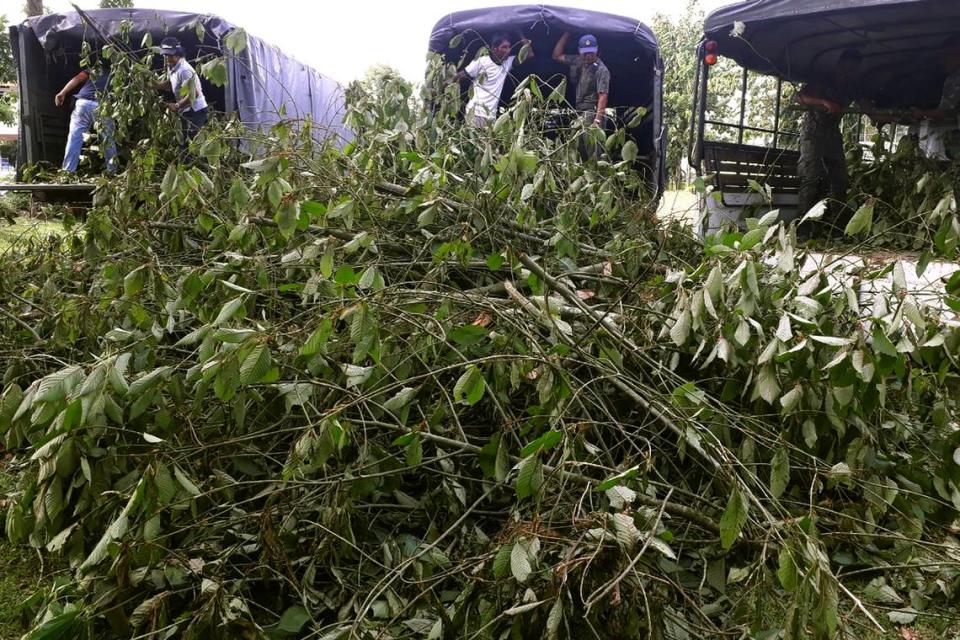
(489, 74)
(189, 102)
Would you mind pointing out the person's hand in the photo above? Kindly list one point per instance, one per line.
(173, 106)
(60, 98)
(832, 107)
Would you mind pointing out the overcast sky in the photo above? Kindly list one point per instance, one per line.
(343, 39)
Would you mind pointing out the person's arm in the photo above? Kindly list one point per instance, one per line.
(807, 97)
(469, 71)
(603, 94)
(601, 107)
(68, 88)
(949, 102)
(189, 91)
(163, 85)
(560, 46)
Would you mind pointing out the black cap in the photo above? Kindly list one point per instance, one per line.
(171, 47)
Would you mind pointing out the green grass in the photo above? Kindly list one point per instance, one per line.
(26, 229)
(21, 574)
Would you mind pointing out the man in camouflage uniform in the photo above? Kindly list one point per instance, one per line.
(592, 79)
(822, 168)
(949, 107)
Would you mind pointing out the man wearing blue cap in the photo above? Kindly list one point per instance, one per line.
(183, 81)
(590, 75)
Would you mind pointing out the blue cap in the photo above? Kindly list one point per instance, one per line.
(587, 44)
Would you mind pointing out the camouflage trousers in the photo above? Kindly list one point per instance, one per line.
(822, 170)
(588, 148)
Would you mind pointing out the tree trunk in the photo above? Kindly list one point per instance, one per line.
(34, 8)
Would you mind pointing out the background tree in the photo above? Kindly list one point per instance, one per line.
(678, 42)
(8, 73)
(116, 4)
(33, 8)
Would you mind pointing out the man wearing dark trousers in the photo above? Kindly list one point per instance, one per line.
(183, 81)
(592, 79)
(822, 168)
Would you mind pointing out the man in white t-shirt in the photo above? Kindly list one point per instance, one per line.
(184, 82)
(489, 74)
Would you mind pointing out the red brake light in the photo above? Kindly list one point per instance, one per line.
(710, 59)
(711, 46)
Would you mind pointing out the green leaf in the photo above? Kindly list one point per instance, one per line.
(791, 399)
(59, 627)
(236, 40)
(681, 328)
(116, 531)
(787, 573)
(256, 365)
(501, 562)
(371, 279)
(401, 399)
(494, 261)
(215, 71)
(133, 282)
(55, 386)
(286, 218)
(613, 481)
(883, 344)
(229, 310)
(520, 563)
(502, 462)
(467, 335)
(767, 385)
(733, 519)
(779, 472)
(545, 442)
(414, 451)
(186, 483)
(529, 477)
(555, 619)
(318, 339)
(629, 151)
(861, 221)
(294, 619)
(470, 387)
(148, 381)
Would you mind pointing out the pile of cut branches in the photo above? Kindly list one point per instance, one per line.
(445, 382)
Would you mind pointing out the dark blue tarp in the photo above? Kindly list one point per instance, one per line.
(627, 47)
(264, 84)
(801, 40)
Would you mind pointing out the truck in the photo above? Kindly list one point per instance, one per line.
(776, 46)
(627, 47)
(263, 83)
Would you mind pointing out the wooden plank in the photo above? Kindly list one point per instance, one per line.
(717, 152)
(725, 181)
(756, 169)
(77, 187)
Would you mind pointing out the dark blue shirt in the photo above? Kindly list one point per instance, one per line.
(92, 88)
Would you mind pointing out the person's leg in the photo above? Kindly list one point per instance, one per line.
(197, 120)
(835, 162)
(80, 120)
(810, 171)
(107, 142)
(589, 148)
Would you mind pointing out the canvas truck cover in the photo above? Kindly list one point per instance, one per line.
(799, 40)
(262, 81)
(627, 47)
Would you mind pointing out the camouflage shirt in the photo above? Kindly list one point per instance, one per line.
(951, 93)
(591, 80)
(817, 120)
